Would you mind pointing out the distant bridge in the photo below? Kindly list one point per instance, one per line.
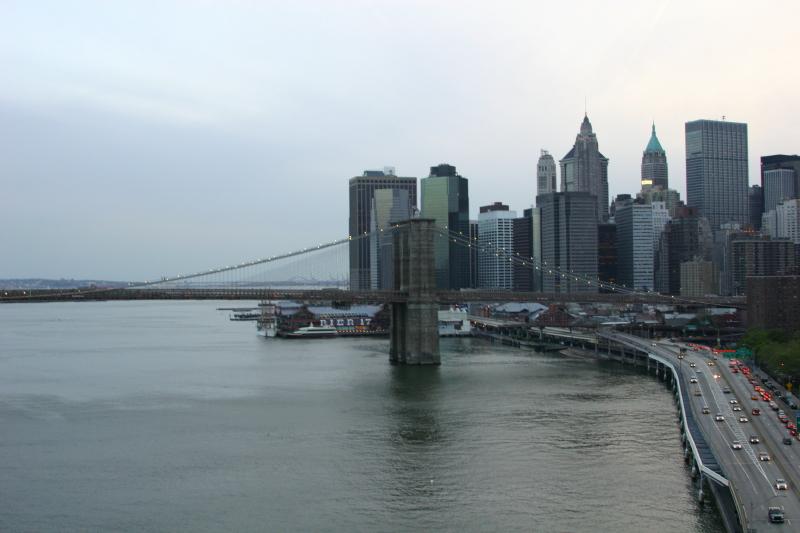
(414, 300)
(371, 296)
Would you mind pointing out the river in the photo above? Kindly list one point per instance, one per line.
(166, 416)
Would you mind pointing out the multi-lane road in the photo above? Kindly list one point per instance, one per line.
(752, 480)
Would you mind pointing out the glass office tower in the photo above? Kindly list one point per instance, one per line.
(445, 199)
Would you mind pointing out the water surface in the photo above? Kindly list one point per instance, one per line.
(154, 416)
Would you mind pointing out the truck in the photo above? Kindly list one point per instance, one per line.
(775, 515)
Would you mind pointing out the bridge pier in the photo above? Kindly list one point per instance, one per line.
(414, 333)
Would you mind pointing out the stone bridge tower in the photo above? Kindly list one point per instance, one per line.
(415, 322)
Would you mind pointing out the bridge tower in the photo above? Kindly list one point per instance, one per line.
(415, 322)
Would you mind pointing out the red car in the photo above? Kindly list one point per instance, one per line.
(756, 411)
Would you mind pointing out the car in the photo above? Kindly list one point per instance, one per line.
(792, 405)
(692, 364)
(754, 439)
(780, 484)
(726, 390)
(736, 445)
(737, 407)
(787, 441)
(775, 515)
(697, 392)
(719, 418)
(706, 410)
(653, 344)
(734, 401)
(693, 380)
(743, 419)
(781, 412)
(754, 397)
(755, 411)
(763, 456)
(773, 406)
(711, 363)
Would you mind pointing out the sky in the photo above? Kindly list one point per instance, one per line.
(141, 139)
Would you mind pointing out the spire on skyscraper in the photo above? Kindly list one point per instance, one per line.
(653, 146)
(586, 126)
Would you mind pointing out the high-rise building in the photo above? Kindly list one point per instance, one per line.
(495, 246)
(634, 221)
(585, 169)
(389, 206)
(687, 236)
(755, 197)
(523, 251)
(607, 255)
(362, 193)
(779, 184)
(763, 292)
(780, 161)
(654, 164)
(445, 199)
(536, 215)
(787, 220)
(661, 218)
(546, 174)
(698, 278)
(670, 197)
(716, 171)
(569, 242)
(759, 257)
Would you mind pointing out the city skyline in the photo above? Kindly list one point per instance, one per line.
(135, 145)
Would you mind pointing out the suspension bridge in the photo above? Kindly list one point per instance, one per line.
(321, 273)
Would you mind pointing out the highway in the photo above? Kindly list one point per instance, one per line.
(752, 480)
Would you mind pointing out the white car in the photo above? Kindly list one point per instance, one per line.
(743, 419)
(763, 456)
(754, 439)
(780, 484)
(692, 365)
(737, 408)
(734, 401)
(693, 380)
(719, 417)
(736, 445)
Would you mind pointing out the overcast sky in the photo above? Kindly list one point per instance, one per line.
(149, 138)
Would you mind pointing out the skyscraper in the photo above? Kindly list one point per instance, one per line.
(388, 207)
(445, 198)
(546, 174)
(585, 169)
(495, 236)
(755, 198)
(634, 220)
(607, 254)
(779, 184)
(362, 193)
(523, 251)
(654, 164)
(686, 237)
(780, 161)
(716, 171)
(569, 242)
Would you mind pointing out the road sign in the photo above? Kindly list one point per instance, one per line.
(744, 353)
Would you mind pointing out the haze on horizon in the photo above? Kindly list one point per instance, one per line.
(140, 139)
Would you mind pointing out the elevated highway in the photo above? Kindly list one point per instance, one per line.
(750, 480)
